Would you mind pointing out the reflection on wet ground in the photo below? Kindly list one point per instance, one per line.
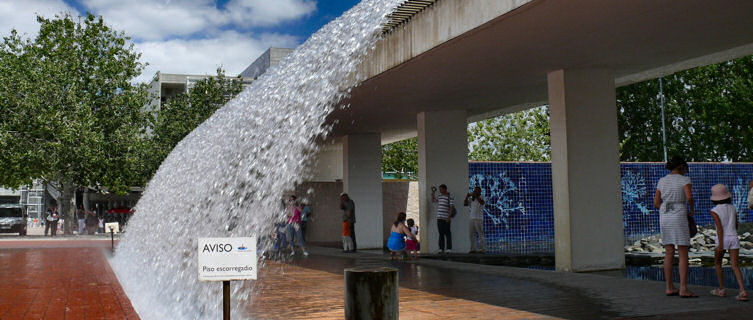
(290, 291)
(437, 287)
(705, 276)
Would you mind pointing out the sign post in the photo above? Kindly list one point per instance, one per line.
(226, 259)
(114, 228)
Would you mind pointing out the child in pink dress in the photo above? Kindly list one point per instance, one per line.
(411, 246)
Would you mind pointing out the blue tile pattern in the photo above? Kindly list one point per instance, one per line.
(519, 217)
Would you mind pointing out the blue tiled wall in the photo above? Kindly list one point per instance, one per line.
(519, 218)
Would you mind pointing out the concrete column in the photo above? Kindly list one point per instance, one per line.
(443, 159)
(588, 228)
(362, 180)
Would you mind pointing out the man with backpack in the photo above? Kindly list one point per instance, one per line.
(445, 211)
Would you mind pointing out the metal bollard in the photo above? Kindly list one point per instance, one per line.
(371, 293)
(112, 240)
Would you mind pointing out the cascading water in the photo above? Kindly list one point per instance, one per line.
(234, 168)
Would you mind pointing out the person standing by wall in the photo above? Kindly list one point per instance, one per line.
(81, 217)
(53, 217)
(673, 198)
(349, 214)
(48, 219)
(445, 206)
(91, 222)
(476, 225)
(750, 195)
(305, 215)
(294, 226)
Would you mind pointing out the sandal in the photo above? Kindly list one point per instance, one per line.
(719, 292)
(672, 293)
(742, 296)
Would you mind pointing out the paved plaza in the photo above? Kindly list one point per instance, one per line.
(70, 278)
(59, 279)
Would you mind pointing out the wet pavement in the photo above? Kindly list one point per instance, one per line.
(498, 292)
(69, 278)
(59, 279)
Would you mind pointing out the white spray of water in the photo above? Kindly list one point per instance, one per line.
(235, 167)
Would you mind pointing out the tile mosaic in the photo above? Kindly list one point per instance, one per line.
(519, 217)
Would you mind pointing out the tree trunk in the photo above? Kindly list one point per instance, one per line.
(86, 201)
(67, 206)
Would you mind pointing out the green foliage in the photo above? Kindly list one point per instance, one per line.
(520, 136)
(181, 114)
(69, 111)
(708, 114)
(401, 158)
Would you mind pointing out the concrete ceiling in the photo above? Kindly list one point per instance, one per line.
(501, 65)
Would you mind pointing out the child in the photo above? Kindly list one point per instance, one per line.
(412, 245)
(347, 240)
(725, 218)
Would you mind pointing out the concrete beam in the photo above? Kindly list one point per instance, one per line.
(588, 226)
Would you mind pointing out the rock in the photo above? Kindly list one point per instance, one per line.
(746, 245)
(701, 241)
(654, 248)
(695, 261)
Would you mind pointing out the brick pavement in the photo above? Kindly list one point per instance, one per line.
(293, 292)
(70, 278)
(53, 280)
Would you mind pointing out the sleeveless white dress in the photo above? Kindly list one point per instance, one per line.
(673, 219)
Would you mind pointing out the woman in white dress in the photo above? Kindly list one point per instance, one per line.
(674, 199)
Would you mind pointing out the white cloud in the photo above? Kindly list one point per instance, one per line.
(21, 15)
(155, 20)
(232, 50)
(178, 36)
(266, 13)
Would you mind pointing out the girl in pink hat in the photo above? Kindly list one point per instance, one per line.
(725, 218)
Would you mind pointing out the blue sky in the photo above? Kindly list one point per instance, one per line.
(191, 36)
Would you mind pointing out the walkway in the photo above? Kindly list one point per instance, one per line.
(59, 279)
(433, 289)
(69, 278)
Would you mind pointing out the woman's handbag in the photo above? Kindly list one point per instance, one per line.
(692, 227)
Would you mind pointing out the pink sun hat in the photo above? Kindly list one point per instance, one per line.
(719, 192)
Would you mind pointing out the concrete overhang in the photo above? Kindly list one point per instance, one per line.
(492, 57)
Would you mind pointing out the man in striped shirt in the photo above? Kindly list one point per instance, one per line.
(445, 205)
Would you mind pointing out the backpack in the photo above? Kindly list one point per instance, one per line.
(453, 211)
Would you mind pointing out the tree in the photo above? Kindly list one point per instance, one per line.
(181, 114)
(708, 112)
(520, 136)
(70, 113)
(401, 157)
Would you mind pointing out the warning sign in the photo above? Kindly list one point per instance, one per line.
(222, 259)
